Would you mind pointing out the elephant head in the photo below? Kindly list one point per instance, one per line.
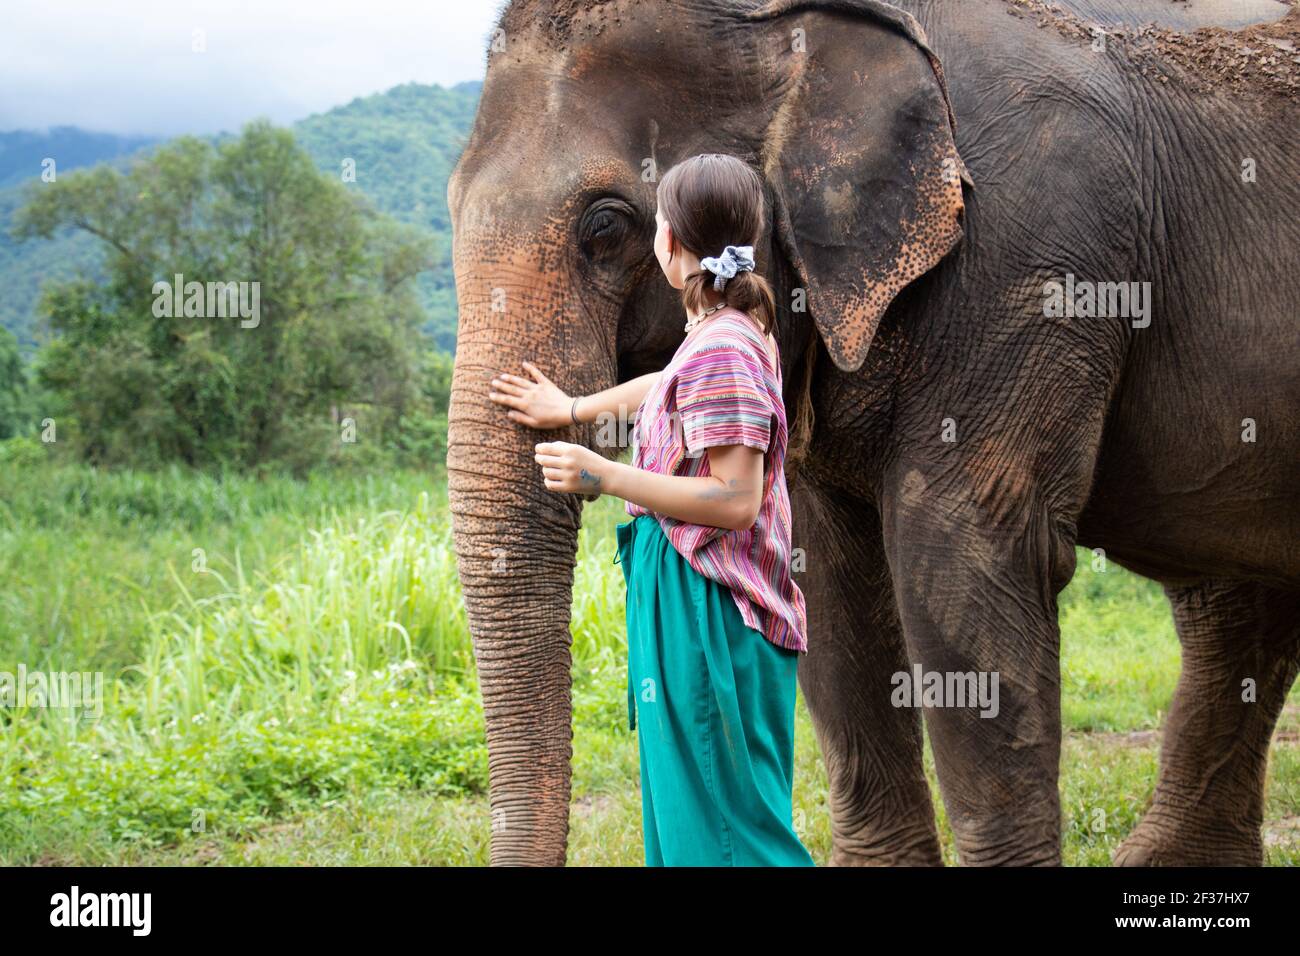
(843, 109)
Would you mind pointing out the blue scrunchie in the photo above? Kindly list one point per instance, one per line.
(733, 259)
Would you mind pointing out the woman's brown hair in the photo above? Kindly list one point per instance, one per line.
(712, 201)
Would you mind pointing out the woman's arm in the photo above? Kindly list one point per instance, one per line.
(621, 399)
(723, 395)
(542, 404)
(729, 497)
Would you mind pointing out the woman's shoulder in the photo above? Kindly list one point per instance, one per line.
(762, 343)
(736, 327)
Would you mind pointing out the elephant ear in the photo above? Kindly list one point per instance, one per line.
(860, 155)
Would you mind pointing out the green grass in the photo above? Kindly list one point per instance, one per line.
(307, 693)
(1119, 651)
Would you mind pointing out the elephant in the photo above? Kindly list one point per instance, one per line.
(1000, 237)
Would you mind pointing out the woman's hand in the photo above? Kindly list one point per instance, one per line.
(537, 404)
(573, 468)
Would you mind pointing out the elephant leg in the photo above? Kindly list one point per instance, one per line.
(1241, 652)
(881, 813)
(976, 572)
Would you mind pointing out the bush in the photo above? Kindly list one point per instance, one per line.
(22, 452)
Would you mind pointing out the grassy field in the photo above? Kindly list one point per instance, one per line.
(290, 680)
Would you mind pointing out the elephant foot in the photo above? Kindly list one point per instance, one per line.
(1156, 842)
(916, 856)
(915, 843)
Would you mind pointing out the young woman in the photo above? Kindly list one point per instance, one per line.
(715, 622)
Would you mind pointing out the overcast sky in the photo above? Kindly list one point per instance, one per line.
(130, 66)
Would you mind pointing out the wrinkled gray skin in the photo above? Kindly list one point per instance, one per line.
(925, 302)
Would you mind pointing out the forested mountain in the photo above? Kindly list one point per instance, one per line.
(402, 143)
(24, 266)
(23, 151)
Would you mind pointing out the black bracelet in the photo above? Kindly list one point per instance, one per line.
(573, 410)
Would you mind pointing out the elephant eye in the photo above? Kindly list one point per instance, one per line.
(604, 226)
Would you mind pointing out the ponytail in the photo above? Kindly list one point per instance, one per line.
(747, 291)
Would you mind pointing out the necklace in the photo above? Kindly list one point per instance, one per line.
(721, 305)
(692, 323)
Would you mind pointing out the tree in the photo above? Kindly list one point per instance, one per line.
(248, 299)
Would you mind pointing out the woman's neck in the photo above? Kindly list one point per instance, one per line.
(711, 299)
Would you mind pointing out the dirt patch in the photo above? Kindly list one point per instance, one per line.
(1288, 725)
(1263, 58)
(1284, 832)
(593, 806)
(1286, 733)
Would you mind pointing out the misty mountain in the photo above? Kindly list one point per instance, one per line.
(401, 146)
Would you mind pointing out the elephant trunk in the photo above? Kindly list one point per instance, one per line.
(516, 546)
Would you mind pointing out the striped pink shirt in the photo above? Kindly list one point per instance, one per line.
(722, 388)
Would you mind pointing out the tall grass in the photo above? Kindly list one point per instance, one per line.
(341, 662)
(315, 654)
(86, 555)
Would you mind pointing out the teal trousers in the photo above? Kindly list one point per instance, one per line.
(716, 705)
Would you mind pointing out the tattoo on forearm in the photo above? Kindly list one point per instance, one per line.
(588, 479)
(721, 494)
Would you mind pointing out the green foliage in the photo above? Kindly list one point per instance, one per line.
(24, 152)
(399, 732)
(333, 335)
(24, 266)
(13, 388)
(423, 434)
(311, 696)
(86, 552)
(404, 143)
(340, 666)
